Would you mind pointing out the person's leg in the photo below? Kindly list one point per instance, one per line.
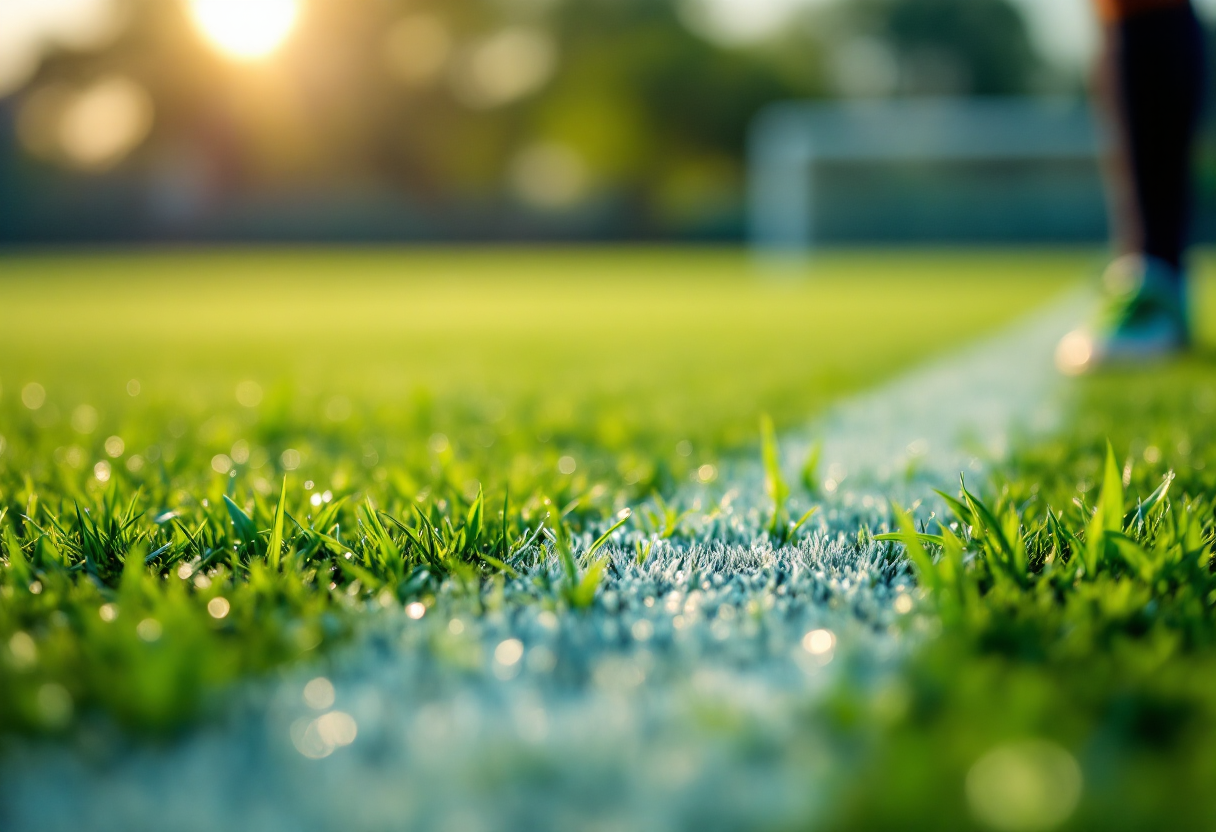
(1152, 85)
(1158, 65)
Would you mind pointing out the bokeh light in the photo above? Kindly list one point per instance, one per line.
(92, 128)
(246, 30)
(549, 175)
(105, 122)
(1024, 786)
(416, 49)
(1075, 352)
(508, 65)
(30, 28)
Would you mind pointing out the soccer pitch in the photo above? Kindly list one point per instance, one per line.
(492, 530)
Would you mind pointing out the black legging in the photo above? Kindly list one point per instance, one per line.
(1155, 87)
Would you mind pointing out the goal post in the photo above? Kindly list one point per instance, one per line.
(1022, 169)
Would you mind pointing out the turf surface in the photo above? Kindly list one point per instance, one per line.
(1065, 639)
(139, 390)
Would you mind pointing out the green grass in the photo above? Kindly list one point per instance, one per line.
(213, 461)
(450, 403)
(1077, 603)
(614, 349)
(1071, 684)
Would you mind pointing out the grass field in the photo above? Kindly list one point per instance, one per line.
(217, 464)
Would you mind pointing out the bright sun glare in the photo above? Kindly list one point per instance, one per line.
(246, 29)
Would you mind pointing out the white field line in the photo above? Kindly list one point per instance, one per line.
(956, 415)
(951, 416)
(679, 702)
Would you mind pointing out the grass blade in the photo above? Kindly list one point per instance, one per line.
(246, 532)
(774, 482)
(274, 551)
(602, 539)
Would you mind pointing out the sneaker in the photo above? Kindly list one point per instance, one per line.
(1144, 318)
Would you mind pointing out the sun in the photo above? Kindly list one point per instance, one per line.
(245, 29)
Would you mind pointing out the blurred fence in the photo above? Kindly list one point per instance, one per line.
(960, 170)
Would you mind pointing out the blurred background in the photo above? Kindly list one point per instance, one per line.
(468, 120)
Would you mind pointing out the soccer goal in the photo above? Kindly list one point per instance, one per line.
(932, 171)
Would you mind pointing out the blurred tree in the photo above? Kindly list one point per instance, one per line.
(976, 47)
(601, 117)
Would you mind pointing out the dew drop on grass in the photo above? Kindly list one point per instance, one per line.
(304, 737)
(338, 409)
(73, 456)
(240, 452)
(415, 610)
(54, 705)
(102, 471)
(22, 651)
(84, 419)
(33, 395)
(1024, 786)
(541, 659)
(819, 642)
(108, 612)
(509, 652)
(337, 728)
(149, 630)
(218, 607)
(319, 694)
(320, 737)
(249, 394)
(1075, 352)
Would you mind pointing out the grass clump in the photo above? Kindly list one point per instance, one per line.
(1077, 613)
(212, 463)
(142, 617)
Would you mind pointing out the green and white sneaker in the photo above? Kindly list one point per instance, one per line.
(1144, 318)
